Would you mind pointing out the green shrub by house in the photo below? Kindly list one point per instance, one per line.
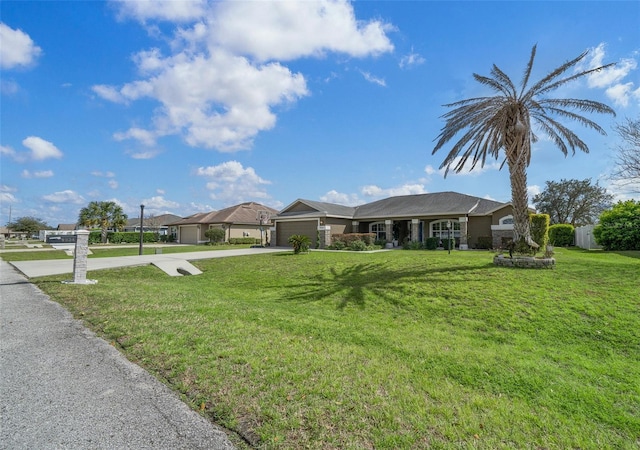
(619, 227)
(561, 234)
(540, 229)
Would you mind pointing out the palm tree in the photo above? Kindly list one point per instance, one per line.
(504, 122)
(104, 215)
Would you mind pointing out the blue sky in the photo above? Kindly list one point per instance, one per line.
(189, 106)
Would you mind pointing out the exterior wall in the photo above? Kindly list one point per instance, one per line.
(239, 231)
(499, 236)
(339, 226)
(500, 213)
(477, 227)
(300, 207)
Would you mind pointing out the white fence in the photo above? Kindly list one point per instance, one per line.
(584, 237)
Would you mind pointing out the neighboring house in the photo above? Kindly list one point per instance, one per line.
(399, 219)
(158, 224)
(8, 234)
(238, 221)
(66, 227)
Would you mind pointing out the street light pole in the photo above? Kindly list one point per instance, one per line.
(449, 236)
(141, 222)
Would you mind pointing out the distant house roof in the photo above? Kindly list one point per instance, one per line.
(153, 221)
(244, 213)
(66, 226)
(437, 203)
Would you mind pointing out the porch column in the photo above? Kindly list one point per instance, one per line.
(464, 245)
(324, 234)
(415, 230)
(388, 229)
(272, 237)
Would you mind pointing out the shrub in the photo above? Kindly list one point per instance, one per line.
(300, 243)
(131, 237)
(337, 245)
(619, 227)
(413, 245)
(215, 235)
(244, 240)
(484, 242)
(540, 229)
(348, 238)
(95, 237)
(358, 246)
(449, 244)
(431, 243)
(561, 234)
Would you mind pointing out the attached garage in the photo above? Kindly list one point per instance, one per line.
(284, 230)
(188, 234)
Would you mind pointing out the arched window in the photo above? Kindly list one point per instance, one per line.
(439, 229)
(379, 229)
(506, 220)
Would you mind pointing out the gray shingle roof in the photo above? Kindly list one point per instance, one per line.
(437, 203)
(244, 213)
(320, 209)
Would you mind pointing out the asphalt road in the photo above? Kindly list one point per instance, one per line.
(61, 387)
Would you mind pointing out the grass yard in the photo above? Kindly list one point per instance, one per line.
(401, 349)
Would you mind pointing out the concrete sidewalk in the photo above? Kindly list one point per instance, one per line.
(63, 387)
(61, 266)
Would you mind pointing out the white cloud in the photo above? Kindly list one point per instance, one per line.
(290, 30)
(231, 183)
(430, 170)
(160, 191)
(7, 151)
(373, 79)
(41, 149)
(533, 190)
(67, 196)
(612, 78)
(159, 202)
(219, 87)
(17, 48)
(9, 87)
(374, 191)
(340, 198)
(6, 195)
(150, 154)
(113, 184)
(465, 172)
(410, 60)
(173, 11)
(37, 174)
(97, 173)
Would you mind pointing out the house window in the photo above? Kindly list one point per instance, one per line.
(439, 229)
(379, 229)
(506, 220)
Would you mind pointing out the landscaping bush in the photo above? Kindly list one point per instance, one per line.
(349, 238)
(540, 229)
(449, 244)
(245, 240)
(431, 243)
(131, 237)
(619, 227)
(95, 237)
(484, 242)
(337, 245)
(358, 246)
(561, 234)
(215, 235)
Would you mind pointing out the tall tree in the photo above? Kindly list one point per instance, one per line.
(627, 170)
(577, 202)
(104, 215)
(504, 122)
(28, 224)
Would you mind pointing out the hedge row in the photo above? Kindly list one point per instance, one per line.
(120, 237)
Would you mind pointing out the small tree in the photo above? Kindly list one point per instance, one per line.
(619, 227)
(215, 235)
(300, 243)
(29, 225)
(627, 170)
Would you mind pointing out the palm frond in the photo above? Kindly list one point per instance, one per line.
(527, 71)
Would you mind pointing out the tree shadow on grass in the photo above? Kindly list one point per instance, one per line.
(352, 285)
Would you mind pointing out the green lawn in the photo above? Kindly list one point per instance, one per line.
(402, 349)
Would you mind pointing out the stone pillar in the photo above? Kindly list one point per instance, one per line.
(415, 230)
(388, 228)
(272, 237)
(80, 259)
(464, 245)
(324, 236)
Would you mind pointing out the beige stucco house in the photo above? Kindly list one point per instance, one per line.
(399, 219)
(238, 221)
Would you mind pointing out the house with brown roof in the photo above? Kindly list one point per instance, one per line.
(465, 218)
(248, 219)
(158, 224)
